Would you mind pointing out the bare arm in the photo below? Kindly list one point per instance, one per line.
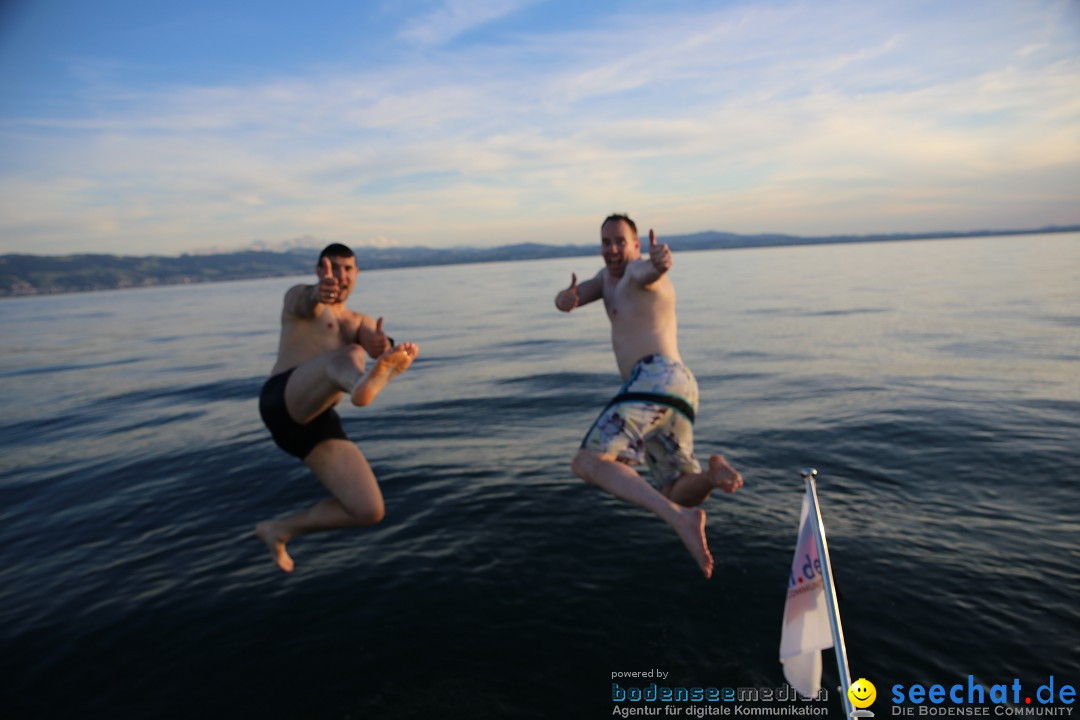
(576, 295)
(645, 272)
(303, 301)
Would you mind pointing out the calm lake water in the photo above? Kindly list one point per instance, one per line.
(935, 385)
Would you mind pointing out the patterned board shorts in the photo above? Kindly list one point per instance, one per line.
(651, 420)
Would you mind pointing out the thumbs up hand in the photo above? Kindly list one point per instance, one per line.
(380, 342)
(329, 287)
(567, 300)
(659, 254)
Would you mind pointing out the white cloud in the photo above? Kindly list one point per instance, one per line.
(748, 119)
(381, 242)
(456, 17)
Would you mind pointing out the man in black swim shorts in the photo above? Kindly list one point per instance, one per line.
(322, 356)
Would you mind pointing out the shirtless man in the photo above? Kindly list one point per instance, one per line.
(321, 356)
(651, 417)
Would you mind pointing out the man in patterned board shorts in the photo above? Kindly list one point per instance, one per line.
(651, 418)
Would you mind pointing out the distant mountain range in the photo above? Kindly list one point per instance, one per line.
(48, 274)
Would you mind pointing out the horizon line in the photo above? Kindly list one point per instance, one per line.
(868, 237)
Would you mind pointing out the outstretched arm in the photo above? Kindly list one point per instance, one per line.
(304, 300)
(645, 272)
(583, 294)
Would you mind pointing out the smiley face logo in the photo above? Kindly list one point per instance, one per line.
(862, 693)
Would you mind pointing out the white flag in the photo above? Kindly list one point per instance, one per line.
(806, 629)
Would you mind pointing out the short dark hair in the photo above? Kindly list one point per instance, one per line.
(620, 216)
(336, 250)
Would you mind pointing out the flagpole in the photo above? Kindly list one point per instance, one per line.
(830, 592)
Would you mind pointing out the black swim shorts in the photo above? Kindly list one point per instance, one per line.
(289, 435)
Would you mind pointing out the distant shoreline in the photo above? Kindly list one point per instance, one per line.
(31, 275)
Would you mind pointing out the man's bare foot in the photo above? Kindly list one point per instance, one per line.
(690, 526)
(276, 543)
(387, 366)
(723, 476)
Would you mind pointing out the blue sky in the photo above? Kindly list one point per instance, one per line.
(160, 128)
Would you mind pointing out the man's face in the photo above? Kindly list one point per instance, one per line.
(344, 270)
(619, 245)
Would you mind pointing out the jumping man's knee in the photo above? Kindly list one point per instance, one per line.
(368, 514)
(376, 515)
(356, 352)
(582, 463)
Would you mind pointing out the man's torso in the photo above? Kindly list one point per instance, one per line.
(642, 320)
(305, 338)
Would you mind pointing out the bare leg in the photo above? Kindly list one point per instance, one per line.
(692, 489)
(623, 482)
(387, 366)
(319, 383)
(355, 500)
